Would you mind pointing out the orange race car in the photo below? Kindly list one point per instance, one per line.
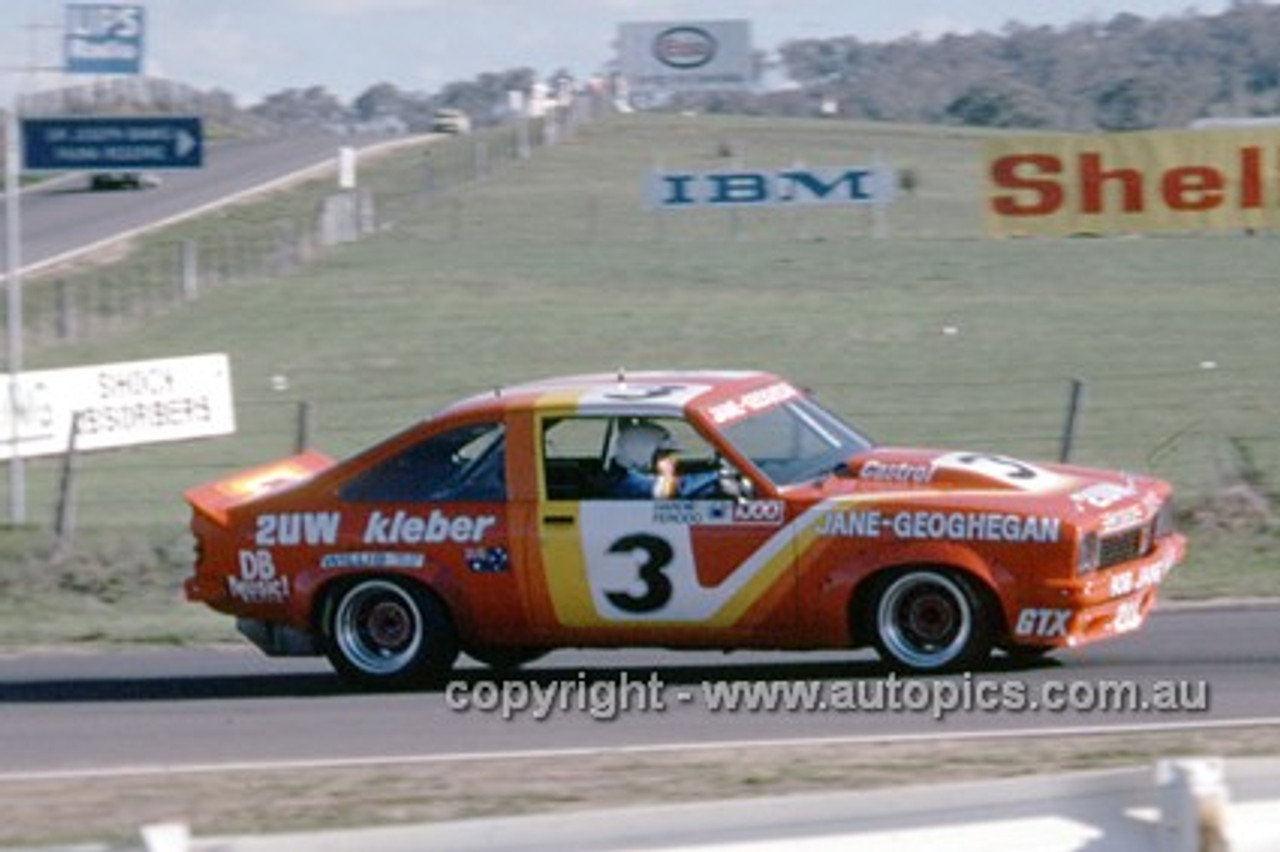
(684, 509)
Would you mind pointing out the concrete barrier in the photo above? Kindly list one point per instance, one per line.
(1180, 805)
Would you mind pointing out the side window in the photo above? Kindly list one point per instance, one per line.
(466, 464)
(573, 455)
(604, 458)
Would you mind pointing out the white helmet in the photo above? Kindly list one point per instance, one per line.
(638, 442)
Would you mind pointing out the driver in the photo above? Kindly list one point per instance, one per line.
(645, 464)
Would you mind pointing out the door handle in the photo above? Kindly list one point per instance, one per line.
(558, 520)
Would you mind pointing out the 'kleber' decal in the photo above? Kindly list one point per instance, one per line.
(405, 528)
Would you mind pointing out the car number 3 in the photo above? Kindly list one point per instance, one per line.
(657, 555)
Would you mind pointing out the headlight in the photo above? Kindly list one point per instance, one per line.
(1087, 552)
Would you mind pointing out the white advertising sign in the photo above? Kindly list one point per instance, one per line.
(104, 38)
(677, 55)
(118, 405)
(872, 184)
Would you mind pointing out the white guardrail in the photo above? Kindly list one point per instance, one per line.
(1185, 805)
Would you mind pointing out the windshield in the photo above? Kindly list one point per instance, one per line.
(795, 441)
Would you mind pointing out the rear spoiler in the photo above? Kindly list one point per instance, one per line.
(216, 498)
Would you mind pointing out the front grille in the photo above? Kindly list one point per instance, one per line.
(1122, 546)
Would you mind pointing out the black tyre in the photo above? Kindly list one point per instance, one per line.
(1028, 654)
(930, 620)
(387, 634)
(506, 659)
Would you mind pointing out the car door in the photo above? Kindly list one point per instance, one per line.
(705, 569)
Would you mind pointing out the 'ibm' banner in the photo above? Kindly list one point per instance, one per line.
(754, 188)
(1184, 180)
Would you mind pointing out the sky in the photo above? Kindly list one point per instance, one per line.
(252, 48)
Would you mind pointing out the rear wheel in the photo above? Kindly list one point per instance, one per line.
(387, 634)
(930, 620)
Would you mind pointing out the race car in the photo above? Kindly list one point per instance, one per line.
(693, 509)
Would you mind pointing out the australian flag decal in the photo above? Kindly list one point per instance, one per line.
(487, 560)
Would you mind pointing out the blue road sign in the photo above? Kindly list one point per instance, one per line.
(117, 143)
(104, 38)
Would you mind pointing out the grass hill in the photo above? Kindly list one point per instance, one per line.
(929, 335)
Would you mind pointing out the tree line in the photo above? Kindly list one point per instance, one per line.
(1122, 73)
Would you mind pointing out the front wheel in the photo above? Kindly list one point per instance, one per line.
(929, 620)
(387, 634)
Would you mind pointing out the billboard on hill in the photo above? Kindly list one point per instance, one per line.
(1106, 183)
(668, 56)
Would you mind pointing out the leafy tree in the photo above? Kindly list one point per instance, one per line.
(379, 101)
(310, 107)
(1134, 103)
(1001, 103)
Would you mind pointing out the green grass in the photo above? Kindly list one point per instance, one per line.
(552, 265)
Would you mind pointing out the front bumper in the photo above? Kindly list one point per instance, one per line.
(1098, 606)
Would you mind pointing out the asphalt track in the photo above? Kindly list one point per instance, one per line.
(62, 216)
(196, 709)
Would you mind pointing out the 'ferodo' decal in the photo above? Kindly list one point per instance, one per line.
(693, 513)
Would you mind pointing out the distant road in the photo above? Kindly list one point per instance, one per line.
(80, 711)
(63, 215)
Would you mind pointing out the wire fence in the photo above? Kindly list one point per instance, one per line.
(1085, 423)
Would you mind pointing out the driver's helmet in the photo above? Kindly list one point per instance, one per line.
(639, 442)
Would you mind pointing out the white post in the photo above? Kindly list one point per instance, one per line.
(346, 168)
(13, 302)
(1193, 805)
(166, 837)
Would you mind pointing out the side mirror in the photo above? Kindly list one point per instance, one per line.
(735, 485)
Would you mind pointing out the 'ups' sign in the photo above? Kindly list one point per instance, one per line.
(1133, 182)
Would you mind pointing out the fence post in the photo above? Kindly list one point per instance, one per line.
(1069, 427)
(189, 274)
(524, 149)
(303, 439)
(64, 520)
(455, 218)
(428, 176)
(66, 310)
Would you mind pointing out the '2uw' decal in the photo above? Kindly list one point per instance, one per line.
(287, 528)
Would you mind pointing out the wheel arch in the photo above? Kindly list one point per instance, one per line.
(324, 593)
(955, 561)
(385, 630)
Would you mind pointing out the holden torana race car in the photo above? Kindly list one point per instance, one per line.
(688, 510)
